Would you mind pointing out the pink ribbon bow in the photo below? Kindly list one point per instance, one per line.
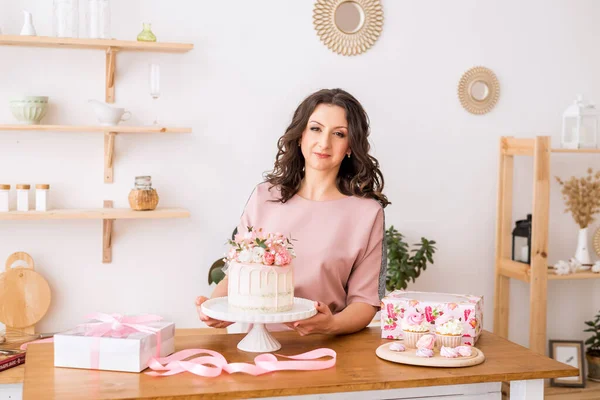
(264, 363)
(117, 325)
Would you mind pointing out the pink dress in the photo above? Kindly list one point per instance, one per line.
(339, 244)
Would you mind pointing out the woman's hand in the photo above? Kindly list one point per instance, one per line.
(322, 322)
(213, 323)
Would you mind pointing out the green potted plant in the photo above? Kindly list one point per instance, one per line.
(404, 263)
(592, 354)
(215, 273)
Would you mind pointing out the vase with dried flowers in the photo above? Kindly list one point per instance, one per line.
(582, 198)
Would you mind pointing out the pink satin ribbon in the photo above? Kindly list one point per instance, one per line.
(263, 363)
(47, 340)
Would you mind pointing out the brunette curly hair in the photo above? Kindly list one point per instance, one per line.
(358, 176)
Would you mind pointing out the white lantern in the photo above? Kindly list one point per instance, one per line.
(580, 125)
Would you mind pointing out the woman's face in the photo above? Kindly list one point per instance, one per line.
(324, 141)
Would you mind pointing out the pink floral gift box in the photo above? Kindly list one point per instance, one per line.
(400, 303)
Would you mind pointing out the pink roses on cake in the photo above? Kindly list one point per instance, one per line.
(254, 246)
(268, 258)
(283, 257)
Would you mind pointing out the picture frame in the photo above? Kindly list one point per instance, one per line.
(570, 352)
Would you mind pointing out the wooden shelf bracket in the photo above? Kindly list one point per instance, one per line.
(109, 156)
(107, 228)
(111, 60)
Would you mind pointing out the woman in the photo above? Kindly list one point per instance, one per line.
(326, 191)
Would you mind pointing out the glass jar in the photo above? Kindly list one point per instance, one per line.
(65, 18)
(23, 197)
(98, 19)
(41, 197)
(4, 197)
(143, 197)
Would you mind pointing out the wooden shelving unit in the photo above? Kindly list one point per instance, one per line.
(106, 214)
(110, 46)
(109, 137)
(537, 273)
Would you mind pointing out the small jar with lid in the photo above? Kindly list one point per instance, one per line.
(41, 196)
(143, 197)
(4, 197)
(23, 197)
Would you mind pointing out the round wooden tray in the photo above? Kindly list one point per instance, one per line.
(409, 357)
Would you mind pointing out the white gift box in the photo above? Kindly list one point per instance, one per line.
(127, 354)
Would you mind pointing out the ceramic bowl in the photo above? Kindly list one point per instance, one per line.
(29, 110)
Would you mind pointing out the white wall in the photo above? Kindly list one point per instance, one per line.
(252, 64)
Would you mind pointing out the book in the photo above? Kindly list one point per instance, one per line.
(12, 360)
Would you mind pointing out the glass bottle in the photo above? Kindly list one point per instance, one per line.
(98, 19)
(65, 18)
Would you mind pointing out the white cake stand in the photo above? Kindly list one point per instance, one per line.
(258, 340)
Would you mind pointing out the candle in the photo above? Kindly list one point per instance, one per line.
(524, 253)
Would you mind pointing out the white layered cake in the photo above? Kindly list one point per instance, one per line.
(260, 273)
(260, 288)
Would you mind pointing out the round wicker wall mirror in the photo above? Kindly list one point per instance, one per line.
(348, 27)
(478, 90)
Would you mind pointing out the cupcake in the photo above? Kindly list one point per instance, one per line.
(414, 327)
(448, 331)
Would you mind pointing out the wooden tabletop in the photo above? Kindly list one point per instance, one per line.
(12, 375)
(357, 368)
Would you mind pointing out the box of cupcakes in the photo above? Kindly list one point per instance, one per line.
(455, 319)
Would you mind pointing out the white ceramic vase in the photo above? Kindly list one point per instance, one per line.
(582, 254)
(28, 29)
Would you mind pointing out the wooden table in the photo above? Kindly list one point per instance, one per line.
(358, 374)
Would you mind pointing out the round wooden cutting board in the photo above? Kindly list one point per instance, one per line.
(24, 294)
(409, 357)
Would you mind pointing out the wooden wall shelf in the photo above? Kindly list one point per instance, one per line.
(106, 214)
(94, 44)
(109, 137)
(537, 274)
(94, 128)
(110, 46)
(94, 213)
